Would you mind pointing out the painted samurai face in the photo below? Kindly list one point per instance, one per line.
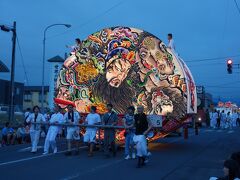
(117, 71)
(63, 93)
(152, 56)
(161, 104)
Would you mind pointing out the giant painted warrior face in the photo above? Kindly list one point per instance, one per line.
(152, 55)
(117, 71)
(63, 93)
(161, 103)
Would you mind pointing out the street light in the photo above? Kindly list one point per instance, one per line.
(11, 105)
(43, 63)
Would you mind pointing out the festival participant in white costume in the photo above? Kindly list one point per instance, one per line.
(171, 44)
(213, 121)
(228, 123)
(72, 117)
(35, 129)
(234, 119)
(56, 118)
(223, 119)
(143, 126)
(90, 135)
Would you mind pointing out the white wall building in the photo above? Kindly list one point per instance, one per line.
(56, 65)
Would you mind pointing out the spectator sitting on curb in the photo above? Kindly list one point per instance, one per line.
(21, 134)
(8, 134)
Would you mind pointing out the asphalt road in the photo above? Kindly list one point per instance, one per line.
(174, 158)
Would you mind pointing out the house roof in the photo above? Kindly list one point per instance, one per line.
(3, 67)
(36, 88)
(56, 59)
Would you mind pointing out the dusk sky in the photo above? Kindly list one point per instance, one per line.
(206, 33)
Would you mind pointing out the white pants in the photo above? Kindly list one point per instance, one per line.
(234, 121)
(50, 140)
(90, 136)
(222, 124)
(228, 124)
(213, 123)
(34, 134)
(73, 134)
(141, 144)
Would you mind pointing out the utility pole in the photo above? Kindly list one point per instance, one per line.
(12, 89)
(43, 61)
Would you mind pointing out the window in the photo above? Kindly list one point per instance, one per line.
(28, 96)
(17, 91)
(44, 97)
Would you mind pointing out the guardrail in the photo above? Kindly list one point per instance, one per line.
(86, 125)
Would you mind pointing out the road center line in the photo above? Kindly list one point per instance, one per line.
(34, 157)
(40, 156)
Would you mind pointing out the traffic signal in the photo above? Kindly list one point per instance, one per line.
(229, 66)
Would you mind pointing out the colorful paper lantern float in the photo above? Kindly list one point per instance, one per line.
(127, 66)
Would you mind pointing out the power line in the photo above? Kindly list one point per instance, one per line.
(23, 64)
(90, 20)
(212, 59)
(226, 87)
(238, 8)
(227, 83)
(209, 64)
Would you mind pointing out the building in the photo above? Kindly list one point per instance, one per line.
(3, 67)
(56, 65)
(33, 95)
(5, 94)
(208, 100)
(204, 99)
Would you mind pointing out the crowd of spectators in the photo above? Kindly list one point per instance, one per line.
(11, 136)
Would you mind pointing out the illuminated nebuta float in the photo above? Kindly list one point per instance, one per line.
(127, 66)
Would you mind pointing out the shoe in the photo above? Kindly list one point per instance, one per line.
(34, 151)
(133, 155)
(149, 154)
(127, 157)
(45, 153)
(146, 160)
(55, 150)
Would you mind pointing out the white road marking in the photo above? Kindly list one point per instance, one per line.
(34, 157)
(29, 149)
(231, 131)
